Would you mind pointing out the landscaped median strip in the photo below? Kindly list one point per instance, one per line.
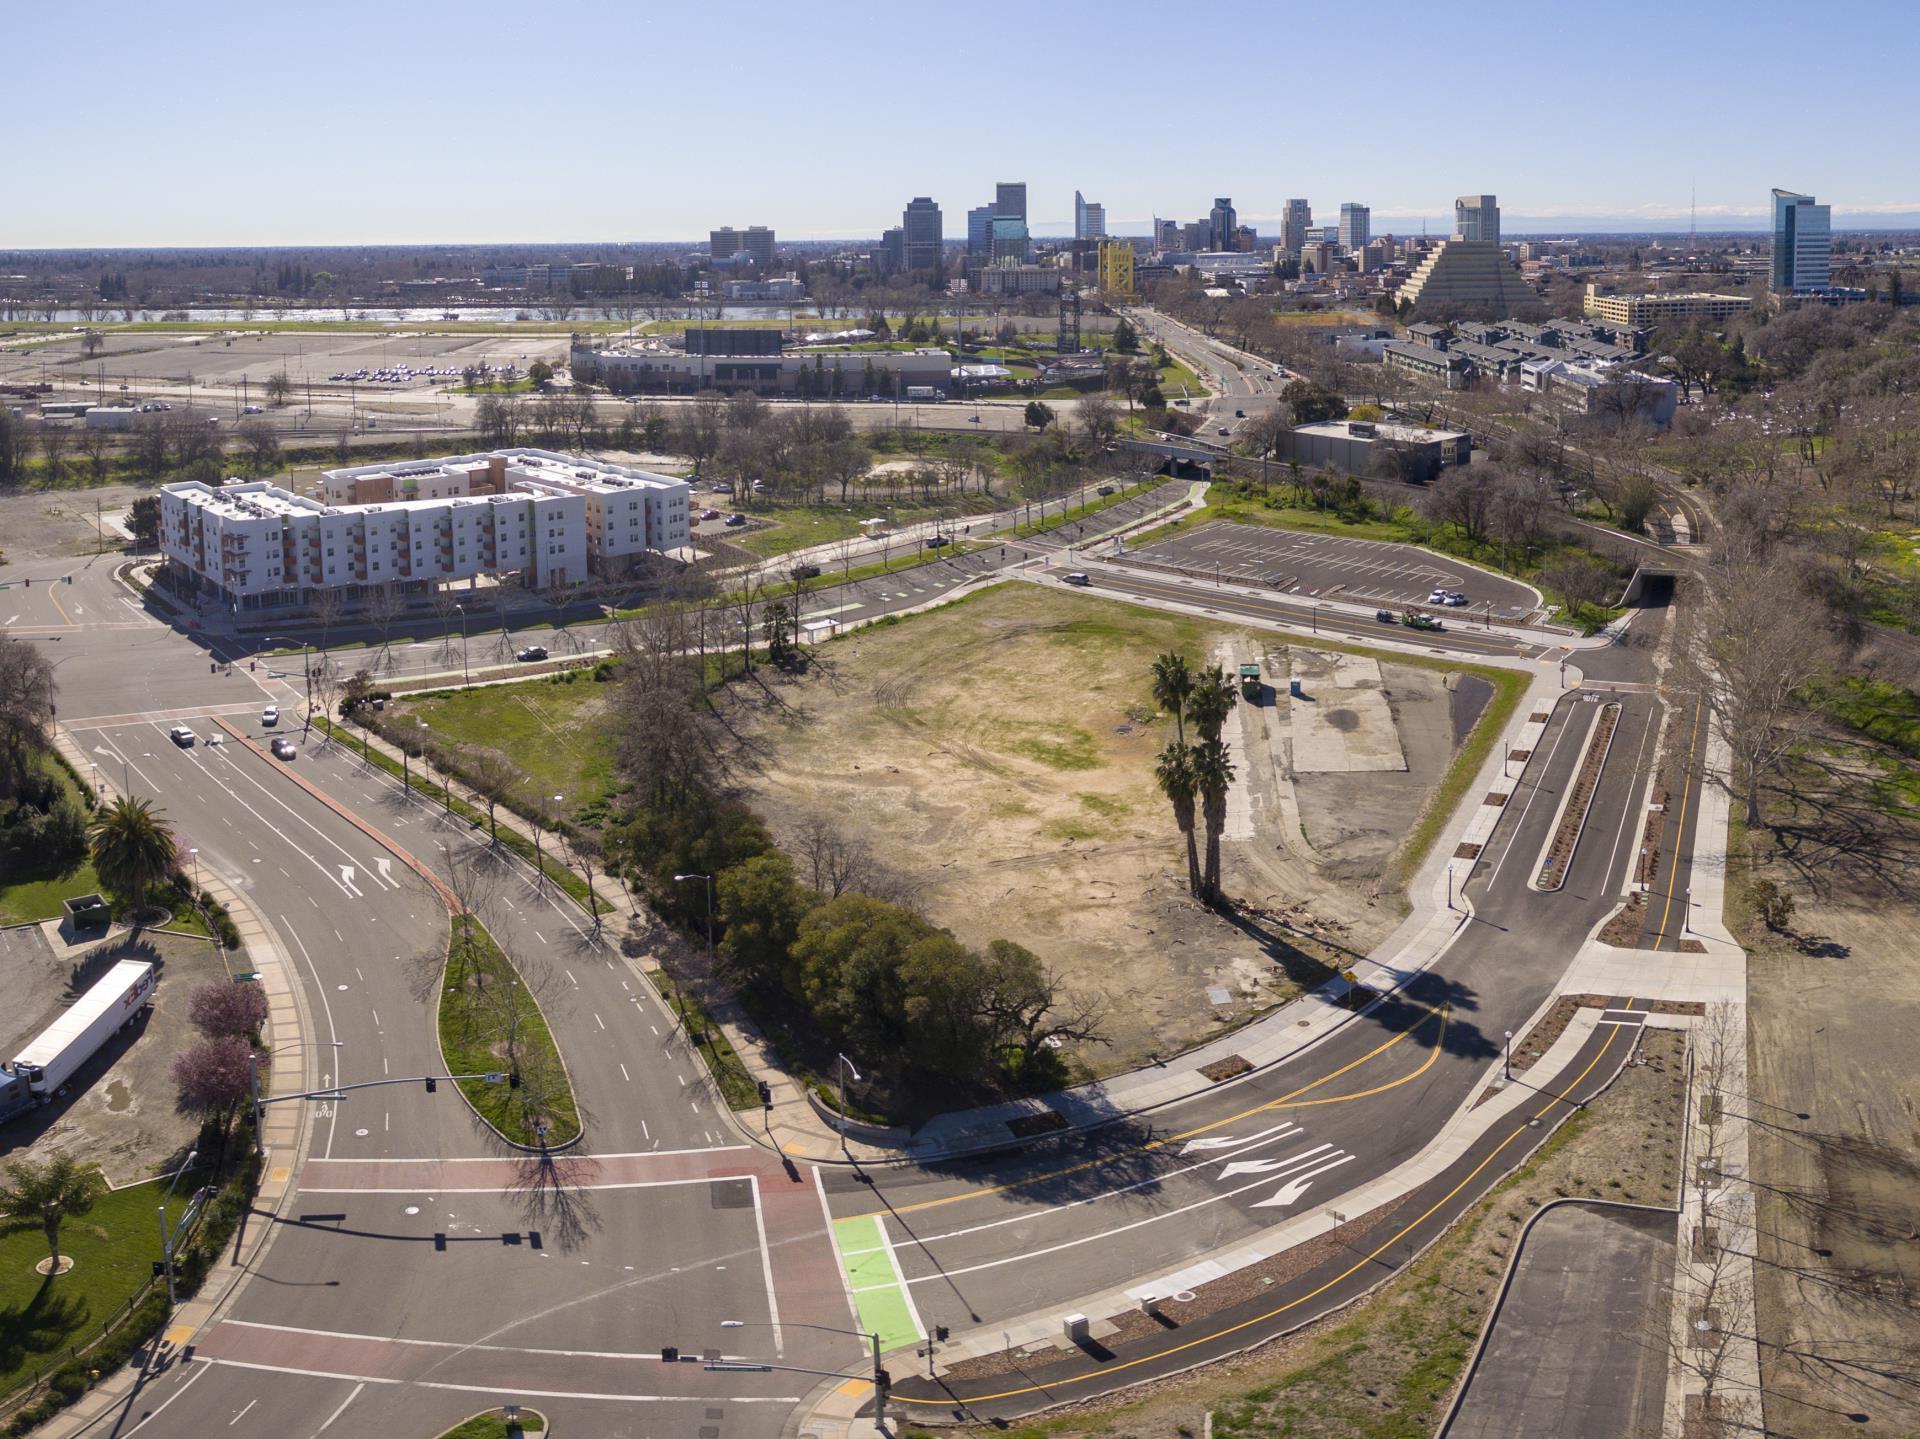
(873, 1276)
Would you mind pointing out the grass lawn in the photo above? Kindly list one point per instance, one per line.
(736, 1085)
(113, 1248)
(1879, 709)
(36, 895)
(493, 1425)
(1177, 380)
(551, 731)
(1223, 504)
(482, 1000)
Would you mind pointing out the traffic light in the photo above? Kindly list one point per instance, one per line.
(940, 1332)
(432, 1087)
(159, 1269)
(669, 1354)
(513, 1079)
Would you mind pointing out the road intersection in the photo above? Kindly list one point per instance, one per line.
(417, 1265)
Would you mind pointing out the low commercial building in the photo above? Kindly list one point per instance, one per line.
(818, 373)
(1611, 394)
(1379, 449)
(1651, 311)
(1018, 280)
(543, 520)
(1429, 364)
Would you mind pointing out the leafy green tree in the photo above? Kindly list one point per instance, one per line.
(1311, 403)
(1173, 772)
(949, 1032)
(1037, 416)
(1172, 684)
(541, 373)
(761, 907)
(1125, 341)
(1212, 698)
(133, 848)
(48, 1194)
(144, 520)
(849, 955)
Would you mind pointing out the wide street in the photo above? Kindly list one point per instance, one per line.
(421, 1269)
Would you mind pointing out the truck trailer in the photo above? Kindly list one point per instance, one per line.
(41, 1070)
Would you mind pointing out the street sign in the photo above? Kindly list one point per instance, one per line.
(738, 1368)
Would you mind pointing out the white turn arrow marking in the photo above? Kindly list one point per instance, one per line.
(347, 872)
(1270, 1166)
(385, 866)
(1294, 1188)
(1200, 1146)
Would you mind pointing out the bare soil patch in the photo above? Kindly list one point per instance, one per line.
(1836, 1156)
(997, 756)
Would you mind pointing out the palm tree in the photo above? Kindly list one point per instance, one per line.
(1174, 771)
(1172, 683)
(45, 1194)
(1213, 696)
(133, 848)
(1212, 768)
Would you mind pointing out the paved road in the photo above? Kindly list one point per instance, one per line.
(1578, 1349)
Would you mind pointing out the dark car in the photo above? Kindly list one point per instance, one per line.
(935, 541)
(283, 748)
(1386, 617)
(1105, 490)
(736, 520)
(532, 652)
(805, 572)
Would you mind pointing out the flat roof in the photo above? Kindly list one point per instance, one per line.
(1382, 430)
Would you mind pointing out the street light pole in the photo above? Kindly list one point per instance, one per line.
(1506, 1066)
(166, 1234)
(466, 675)
(843, 1066)
(706, 879)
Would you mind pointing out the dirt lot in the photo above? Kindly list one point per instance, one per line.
(1837, 1156)
(997, 755)
(1386, 1368)
(120, 1112)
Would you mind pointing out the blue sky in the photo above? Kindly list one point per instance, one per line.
(277, 123)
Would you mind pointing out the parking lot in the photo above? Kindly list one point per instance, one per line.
(1336, 568)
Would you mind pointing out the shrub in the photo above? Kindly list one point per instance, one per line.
(1775, 905)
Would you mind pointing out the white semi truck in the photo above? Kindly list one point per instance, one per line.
(43, 1067)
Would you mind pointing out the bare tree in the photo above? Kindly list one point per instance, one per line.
(385, 604)
(494, 777)
(96, 444)
(54, 443)
(832, 862)
(1760, 640)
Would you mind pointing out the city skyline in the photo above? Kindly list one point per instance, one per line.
(353, 156)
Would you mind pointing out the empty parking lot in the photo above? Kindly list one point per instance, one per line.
(1335, 567)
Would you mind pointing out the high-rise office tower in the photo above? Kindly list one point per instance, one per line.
(1294, 223)
(1089, 218)
(755, 240)
(1166, 234)
(980, 233)
(1222, 224)
(1356, 223)
(1010, 200)
(1476, 217)
(923, 237)
(1010, 239)
(1802, 243)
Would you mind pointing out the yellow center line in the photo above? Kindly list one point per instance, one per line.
(1679, 830)
(1612, 1034)
(1161, 1143)
(57, 605)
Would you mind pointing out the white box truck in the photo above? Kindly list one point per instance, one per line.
(43, 1067)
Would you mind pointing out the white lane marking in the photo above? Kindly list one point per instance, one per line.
(1258, 1141)
(341, 1410)
(766, 1271)
(624, 1075)
(1298, 1186)
(905, 1293)
(495, 1388)
(385, 866)
(826, 1218)
(599, 1021)
(333, 1114)
(490, 1159)
(1227, 1141)
(569, 974)
(347, 872)
(242, 1414)
(376, 1017)
(163, 1405)
(1513, 834)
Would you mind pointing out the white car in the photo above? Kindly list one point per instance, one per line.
(270, 716)
(181, 736)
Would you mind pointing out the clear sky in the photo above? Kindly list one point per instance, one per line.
(416, 121)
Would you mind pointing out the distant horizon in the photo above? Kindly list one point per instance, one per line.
(1513, 229)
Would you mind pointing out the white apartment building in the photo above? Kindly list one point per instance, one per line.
(545, 520)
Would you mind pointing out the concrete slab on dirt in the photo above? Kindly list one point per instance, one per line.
(1340, 720)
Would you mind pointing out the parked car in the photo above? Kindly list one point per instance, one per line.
(736, 519)
(1224, 430)
(1239, 414)
(1454, 597)
(709, 514)
(270, 716)
(532, 652)
(282, 747)
(181, 736)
